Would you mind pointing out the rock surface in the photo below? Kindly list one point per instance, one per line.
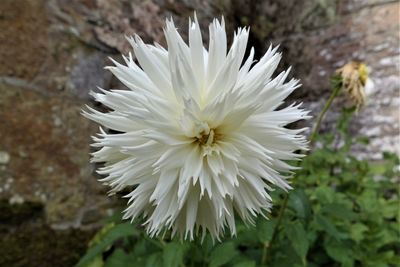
(52, 53)
(23, 30)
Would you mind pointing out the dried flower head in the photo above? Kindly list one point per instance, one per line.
(201, 136)
(354, 80)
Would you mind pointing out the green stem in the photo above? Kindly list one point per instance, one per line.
(264, 253)
(267, 249)
(321, 115)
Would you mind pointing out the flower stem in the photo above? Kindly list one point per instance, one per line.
(321, 115)
(264, 253)
(267, 249)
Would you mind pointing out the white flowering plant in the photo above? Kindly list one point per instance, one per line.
(338, 214)
(201, 135)
(200, 143)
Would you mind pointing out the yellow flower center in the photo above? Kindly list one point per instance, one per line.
(206, 138)
(363, 73)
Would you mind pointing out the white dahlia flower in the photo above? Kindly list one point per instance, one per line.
(200, 137)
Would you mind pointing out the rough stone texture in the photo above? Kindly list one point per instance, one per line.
(48, 143)
(140, 17)
(52, 53)
(26, 240)
(317, 37)
(23, 27)
(87, 74)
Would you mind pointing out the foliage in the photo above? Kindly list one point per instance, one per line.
(342, 212)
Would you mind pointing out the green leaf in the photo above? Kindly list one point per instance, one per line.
(107, 239)
(299, 202)
(340, 252)
(96, 262)
(357, 231)
(265, 229)
(222, 254)
(173, 254)
(247, 235)
(155, 260)
(327, 226)
(384, 236)
(120, 259)
(363, 140)
(391, 208)
(298, 237)
(339, 211)
(368, 202)
(247, 263)
(324, 194)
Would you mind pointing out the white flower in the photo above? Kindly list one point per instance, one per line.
(202, 138)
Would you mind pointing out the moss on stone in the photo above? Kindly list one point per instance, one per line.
(43, 246)
(27, 241)
(19, 213)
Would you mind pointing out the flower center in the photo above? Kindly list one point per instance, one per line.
(206, 138)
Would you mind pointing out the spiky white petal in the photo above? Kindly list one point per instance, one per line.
(201, 136)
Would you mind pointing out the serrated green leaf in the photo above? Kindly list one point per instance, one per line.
(140, 247)
(107, 239)
(96, 262)
(247, 235)
(265, 229)
(248, 263)
(120, 259)
(339, 211)
(357, 231)
(339, 252)
(298, 237)
(155, 260)
(299, 202)
(222, 254)
(391, 208)
(327, 226)
(383, 236)
(173, 254)
(324, 194)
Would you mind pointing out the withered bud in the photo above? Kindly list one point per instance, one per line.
(354, 79)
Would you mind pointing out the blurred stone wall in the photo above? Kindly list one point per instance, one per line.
(52, 53)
